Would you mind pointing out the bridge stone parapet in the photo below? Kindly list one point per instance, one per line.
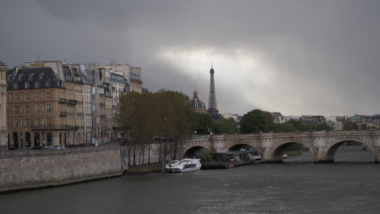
(271, 146)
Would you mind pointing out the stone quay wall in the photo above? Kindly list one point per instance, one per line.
(42, 168)
(144, 154)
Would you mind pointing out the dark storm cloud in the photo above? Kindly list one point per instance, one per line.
(315, 57)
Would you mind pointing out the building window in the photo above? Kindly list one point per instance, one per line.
(48, 83)
(16, 96)
(37, 85)
(27, 122)
(134, 76)
(48, 95)
(16, 109)
(48, 108)
(15, 123)
(15, 85)
(37, 109)
(38, 122)
(26, 96)
(26, 84)
(27, 109)
(48, 121)
(37, 96)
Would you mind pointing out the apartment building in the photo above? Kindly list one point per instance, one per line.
(55, 103)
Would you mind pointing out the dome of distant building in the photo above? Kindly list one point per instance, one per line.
(197, 104)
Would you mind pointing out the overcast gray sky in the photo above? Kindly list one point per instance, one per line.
(295, 57)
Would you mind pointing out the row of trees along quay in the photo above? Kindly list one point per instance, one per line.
(166, 115)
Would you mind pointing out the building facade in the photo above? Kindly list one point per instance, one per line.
(55, 103)
(38, 109)
(3, 105)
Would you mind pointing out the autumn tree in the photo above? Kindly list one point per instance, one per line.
(185, 119)
(165, 119)
(135, 117)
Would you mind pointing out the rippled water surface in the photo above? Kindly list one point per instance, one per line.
(351, 185)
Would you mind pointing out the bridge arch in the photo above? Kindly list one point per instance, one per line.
(333, 147)
(238, 147)
(278, 151)
(196, 151)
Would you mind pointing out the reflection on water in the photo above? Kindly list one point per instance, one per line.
(296, 186)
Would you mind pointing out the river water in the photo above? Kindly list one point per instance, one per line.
(350, 185)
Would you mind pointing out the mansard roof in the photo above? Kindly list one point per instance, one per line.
(79, 74)
(88, 76)
(44, 76)
(69, 77)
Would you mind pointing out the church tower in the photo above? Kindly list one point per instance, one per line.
(3, 107)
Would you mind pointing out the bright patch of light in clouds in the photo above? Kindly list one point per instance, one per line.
(236, 72)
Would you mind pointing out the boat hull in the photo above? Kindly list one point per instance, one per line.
(182, 170)
(185, 165)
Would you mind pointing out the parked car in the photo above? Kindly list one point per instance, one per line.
(59, 147)
(49, 147)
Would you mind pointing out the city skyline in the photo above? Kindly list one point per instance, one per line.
(297, 58)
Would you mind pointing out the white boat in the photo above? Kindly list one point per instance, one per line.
(184, 165)
(285, 156)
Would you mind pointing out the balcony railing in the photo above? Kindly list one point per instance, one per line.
(80, 114)
(62, 100)
(74, 102)
(63, 113)
(53, 127)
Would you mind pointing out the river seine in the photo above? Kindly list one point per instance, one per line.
(350, 185)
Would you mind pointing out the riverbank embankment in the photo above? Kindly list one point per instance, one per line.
(33, 169)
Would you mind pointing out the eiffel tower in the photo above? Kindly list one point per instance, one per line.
(212, 104)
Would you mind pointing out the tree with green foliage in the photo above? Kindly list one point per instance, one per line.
(323, 126)
(205, 123)
(282, 127)
(300, 126)
(350, 125)
(254, 121)
(268, 117)
(227, 126)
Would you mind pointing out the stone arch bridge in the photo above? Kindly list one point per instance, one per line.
(271, 146)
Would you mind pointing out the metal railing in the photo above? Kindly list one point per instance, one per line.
(52, 127)
(62, 100)
(63, 113)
